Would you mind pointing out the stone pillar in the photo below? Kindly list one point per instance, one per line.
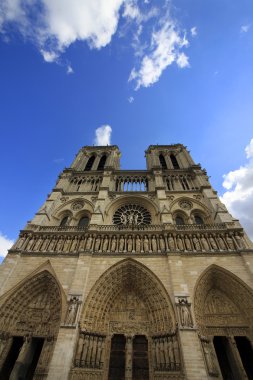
(129, 358)
(235, 359)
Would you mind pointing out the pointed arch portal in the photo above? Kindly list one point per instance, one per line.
(128, 327)
(29, 323)
(223, 307)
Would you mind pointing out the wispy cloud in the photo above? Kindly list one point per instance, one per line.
(130, 99)
(194, 31)
(103, 135)
(5, 244)
(70, 70)
(238, 196)
(245, 28)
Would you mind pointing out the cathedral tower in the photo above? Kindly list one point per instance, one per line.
(129, 274)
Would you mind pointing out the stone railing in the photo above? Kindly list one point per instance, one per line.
(34, 227)
(179, 182)
(131, 182)
(130, 241)
(84, 183)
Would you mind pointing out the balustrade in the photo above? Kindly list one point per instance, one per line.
(131, 183)
(180, 182)
(85, 183)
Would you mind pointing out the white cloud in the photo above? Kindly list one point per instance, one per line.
(70, 70)
(103, 135)
(166, 45)
(5, 244)
(59, 23)
(130, 99)
(245, 28)
(239, 195)
(194, 31)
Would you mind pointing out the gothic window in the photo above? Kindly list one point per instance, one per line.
(179, 220)
(84, 221)
(64, 221)
(132, 214)
(163, 162)
(198, 219)
(102, 162)
(90, 163)
(174, 162)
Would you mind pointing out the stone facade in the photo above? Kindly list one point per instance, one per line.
(139, 274)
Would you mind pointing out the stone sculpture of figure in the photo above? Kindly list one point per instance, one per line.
(185, 316)
(146, 244)
(94, 351)
(131, 218)
(74, 244)
(129, 243)
(239, 241)
(66, 244)
(171, 354)
(105, 243)
(230, 242)
(210, 358)
(171, 242)
(180, 245)
(162, 243)
(221, 243)
(79, 350)
(157, 353)
(136, 216)
(99, 349)
(59, 245)
(45, 244)
(124, 219)
(121, 244)
(20, 242)
(88, 243)
(30, 244)
(51, 245)
(138, 244)
(37, 244)
(212, 243)
(154, 244)
(162, 356)
(85, 350)
(176, 352)
(166, 353)
(113, 244)
(97, 244)
(196, 243)
(204, 243)
(187, 243)
(71, 313)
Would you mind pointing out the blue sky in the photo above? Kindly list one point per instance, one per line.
(154, 71)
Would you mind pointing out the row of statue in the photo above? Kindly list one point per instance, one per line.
(90, 351)
(131, 243)
(166, 354)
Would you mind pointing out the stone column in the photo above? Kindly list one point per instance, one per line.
(129, 358)
(235, 359)
(24, 359)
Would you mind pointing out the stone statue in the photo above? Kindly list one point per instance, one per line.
(121, 244)
(97, 244)
(146, 244)
(20, 242)
(221, 243)
(113, 244)
(180, 245)
(105, 243)
(74, 244)
(239, 241)
(171, 242)
(162, 243)
(66, 244)
(204, 243)
(51, 245)
(89, 243)
(129, 243)
(196, 243)
(210, 357)
(187, 243)
(72, 310)
(154, 244)
(30, 244)
(138, 244)
(230, 242)
(37, 244)
(212, 243)
(59, 245)
(185, 316)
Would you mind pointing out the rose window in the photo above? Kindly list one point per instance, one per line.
(132, 214)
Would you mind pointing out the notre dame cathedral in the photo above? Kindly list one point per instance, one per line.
(129, 274)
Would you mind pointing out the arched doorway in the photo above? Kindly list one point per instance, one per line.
(128, 328)
(223, 307)
(29, 323)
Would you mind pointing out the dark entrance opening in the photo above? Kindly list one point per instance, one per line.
(246, 353)
(11, 358)
(140, 358)
(36, 348)
(117, 358)
(225, 359)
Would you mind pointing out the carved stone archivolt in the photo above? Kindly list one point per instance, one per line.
(222, 303)
(33, 310)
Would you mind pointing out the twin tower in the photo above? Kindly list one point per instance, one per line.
(129, 274)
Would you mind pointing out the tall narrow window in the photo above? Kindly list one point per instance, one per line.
(84, 221)
(102, 162)
(140, 358)
(162, 162)
(174, 162)
(117, 358)
(90, 163)
(64, 221)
